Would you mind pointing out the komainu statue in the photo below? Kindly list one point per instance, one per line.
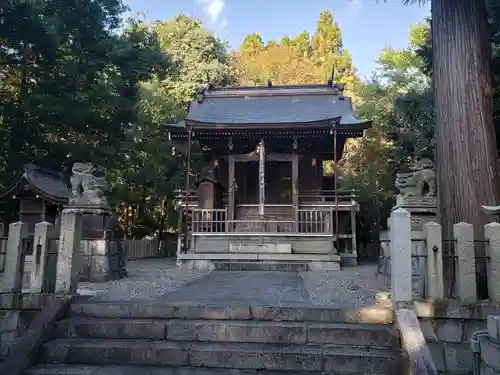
(420, 181)
(87, 189)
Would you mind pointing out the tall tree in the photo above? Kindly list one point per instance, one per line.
(398, 100)
(327, 50)
(300, 59)
(252, 44)
(282, 64)
(465, 135)
(71, 81)
(200, 57)
(144, 186)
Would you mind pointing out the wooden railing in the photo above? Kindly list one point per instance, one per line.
(343, 196)
(208, 220)
(313, 220)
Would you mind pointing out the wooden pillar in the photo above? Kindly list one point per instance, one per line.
(295, 184)
(353, 230)
(231, 187)
(188, 191)
(353, 223)
(335, 180)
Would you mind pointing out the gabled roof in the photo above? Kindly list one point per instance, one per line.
(46, 183)
(272, 105)
(208, 179)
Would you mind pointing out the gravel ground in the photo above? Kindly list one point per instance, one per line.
(147, 279)
(349, 287)
(154, 278)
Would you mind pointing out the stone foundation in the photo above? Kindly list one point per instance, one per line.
(447, 327)
(260, 261)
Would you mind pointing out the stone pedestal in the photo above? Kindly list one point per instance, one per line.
(423, 210)
(100, 251)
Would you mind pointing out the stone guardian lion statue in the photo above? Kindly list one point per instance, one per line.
(420, 181)
(87, 189)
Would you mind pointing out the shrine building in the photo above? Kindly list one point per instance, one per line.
(264, 201)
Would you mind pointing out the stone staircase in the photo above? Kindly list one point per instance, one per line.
(139, 338)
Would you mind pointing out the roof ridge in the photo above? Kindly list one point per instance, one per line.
(267, 91)
(274, 87)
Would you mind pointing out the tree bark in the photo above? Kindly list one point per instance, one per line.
(465, 136)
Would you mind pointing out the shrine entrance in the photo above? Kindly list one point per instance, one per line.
(277, 183)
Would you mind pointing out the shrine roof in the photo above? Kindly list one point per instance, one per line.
(46, 183)
(293, 104)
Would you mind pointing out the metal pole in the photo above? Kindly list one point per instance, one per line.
(335, 187)
(186, 199)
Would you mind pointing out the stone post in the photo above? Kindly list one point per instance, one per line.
(41, 243)
(13, 273)
(68, 262)
(493, 326)
(434, 243)
(400, 247)
(465, 267)
(492, 236)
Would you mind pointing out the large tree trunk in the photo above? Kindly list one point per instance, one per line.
(465, 135)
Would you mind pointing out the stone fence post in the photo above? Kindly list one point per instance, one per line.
(492, 237)
(41, 243)
(68, 262)
(400, 248)
(434, 244)
(13, 277)
(465, 266)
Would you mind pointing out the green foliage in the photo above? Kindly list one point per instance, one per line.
(398, 99)
(199, 56)
(253, 44)
(145, 185)
(71, 81)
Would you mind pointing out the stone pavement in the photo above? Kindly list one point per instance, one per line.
(250, 287)
(160, 279)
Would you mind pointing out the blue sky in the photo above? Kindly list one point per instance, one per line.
(367, 26)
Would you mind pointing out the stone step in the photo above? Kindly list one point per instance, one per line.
(229, 331)
(261, 257)
(188, 310)
(148, 370)
(285, 357)
(260, 266)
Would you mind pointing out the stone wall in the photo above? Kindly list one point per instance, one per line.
(448, 326)
(17, 311)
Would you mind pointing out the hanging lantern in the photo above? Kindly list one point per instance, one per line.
(313, 162)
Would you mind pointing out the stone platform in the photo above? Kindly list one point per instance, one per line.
(264, 261)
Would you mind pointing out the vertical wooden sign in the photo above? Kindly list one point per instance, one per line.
(262, 178)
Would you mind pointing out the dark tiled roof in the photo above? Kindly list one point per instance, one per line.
(45, 182)
(275, 105)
